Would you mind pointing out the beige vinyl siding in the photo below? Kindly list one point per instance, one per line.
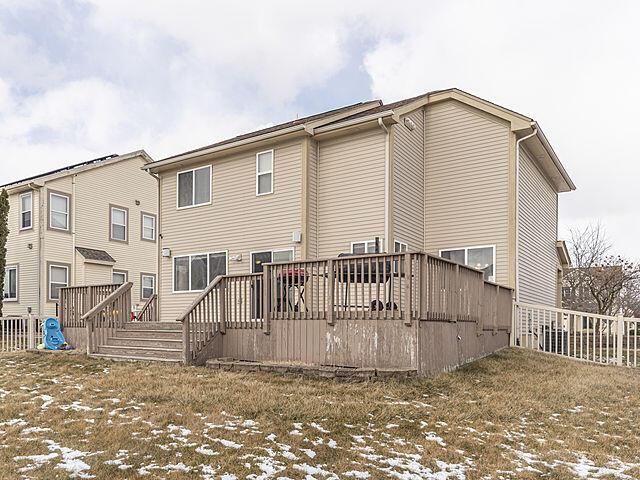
(538, 233)
(350, 190)
(19, 253)
(237, 220)
(313, 199)
(467, 181)
(96, 274)
(408, 182)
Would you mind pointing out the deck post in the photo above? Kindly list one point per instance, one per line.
(456, 297)
(408, 313)
(266, 296)
(619, 339)
(186, 347)
(223, 307)
(330, 292)
(31, 332)
(88, 324)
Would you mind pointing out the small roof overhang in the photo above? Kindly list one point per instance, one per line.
(92, 255)
(564, 259)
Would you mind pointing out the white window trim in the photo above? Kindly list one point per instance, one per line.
(153, 285)
(120, 272)
(6, 271)
(189, 255)
(51, 210)
(52, 265)
(406, 245)
(466, 256)
(125, 225)
(22, 212)
(366, 242)
(277, 250)
(193, 193)
(258, 173)
(153, 238)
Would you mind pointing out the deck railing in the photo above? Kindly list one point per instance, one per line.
(76, 301)
(149, 311)
(20, 333)
(402, 286)
(108, 315)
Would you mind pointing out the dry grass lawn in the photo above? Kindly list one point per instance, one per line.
(513, 415)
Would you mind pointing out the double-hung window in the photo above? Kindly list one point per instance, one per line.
(119, 224)
(481, 258)
(58, 211)
(264, 172)
(148, 285)
(364, 247)
(26, 211)
(10, 291)
(192, 273)
(148, 227)
(194, 187)
(58, 278)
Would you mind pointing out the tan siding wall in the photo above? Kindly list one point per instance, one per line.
(538, 232)
(408, 182)
(18, 253)
(350, 191)
(237, 220)
(313, 199)
(95, 274)
(467, 175)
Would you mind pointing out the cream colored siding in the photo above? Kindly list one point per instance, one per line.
(237, 220)
(408, 182)
(467, 181)
(95, 274)
(537, 230)
(19, 253)
(350, 191)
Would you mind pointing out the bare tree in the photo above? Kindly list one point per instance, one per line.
(599, 281)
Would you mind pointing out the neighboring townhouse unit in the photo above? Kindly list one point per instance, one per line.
(86, 224)
(445, 172)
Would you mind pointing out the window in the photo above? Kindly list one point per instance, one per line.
(119, 224)
(58, 211)
(58, 278)
(264, 173)
(148, 285)
(26, 211)
(194, 187)
(192, 273)
(119, 277)
(258, 259)
(362, 248)
(481, 258)
(10, 290)
(400, 247)
(148, 227)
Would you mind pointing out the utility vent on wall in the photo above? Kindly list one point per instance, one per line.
(409, 124)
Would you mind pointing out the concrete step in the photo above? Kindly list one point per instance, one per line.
(161, 334)
(141, 352)
(132, 358)
(171, 326)
(123, 340)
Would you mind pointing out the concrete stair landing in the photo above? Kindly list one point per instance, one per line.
(161, 342)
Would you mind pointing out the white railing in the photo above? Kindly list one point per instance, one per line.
(20, 333)
(579, 335)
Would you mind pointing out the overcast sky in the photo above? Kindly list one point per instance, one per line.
(82, 79)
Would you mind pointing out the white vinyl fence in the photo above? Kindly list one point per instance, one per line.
(578, 335)
(20, 333)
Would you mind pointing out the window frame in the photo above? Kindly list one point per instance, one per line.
(15, 299)
(144, 275)
(51, 265)
(126, 223)
(142, 227)
(22, 212)
(466, 257)
(193, 187)
(52, 193)
(401, 243)
(366, 242)
(119, 272)
(277, 250)
(189, 256)
(259, 173)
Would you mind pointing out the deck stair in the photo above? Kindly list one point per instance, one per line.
(150, 341)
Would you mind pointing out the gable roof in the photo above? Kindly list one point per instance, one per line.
(78, 167)
(95, 255)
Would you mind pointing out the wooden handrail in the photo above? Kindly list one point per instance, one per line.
(200, 297)
(122, 289)
(150, 301)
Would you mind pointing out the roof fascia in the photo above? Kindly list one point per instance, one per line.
(313, 125)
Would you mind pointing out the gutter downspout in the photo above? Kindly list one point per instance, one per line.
(518, 142)
(73, 231)
(159, 252)
(386, 184)
(41, 227)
